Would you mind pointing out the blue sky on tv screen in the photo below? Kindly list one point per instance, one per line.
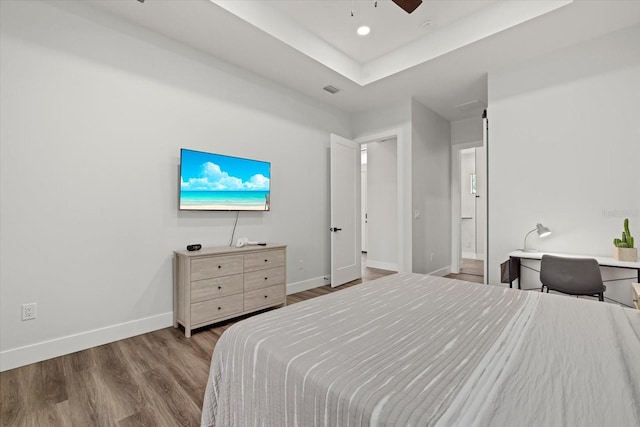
(213, 172)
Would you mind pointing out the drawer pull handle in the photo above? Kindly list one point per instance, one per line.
(265, 278)
(219, 287)
(266, 260)
(219, 308)
(219, 266)
(266, 296)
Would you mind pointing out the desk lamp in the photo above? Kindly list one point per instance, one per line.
(542, 232)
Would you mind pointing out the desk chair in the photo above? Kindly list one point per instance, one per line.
(573, 276)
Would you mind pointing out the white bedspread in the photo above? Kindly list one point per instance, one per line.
(417, 350)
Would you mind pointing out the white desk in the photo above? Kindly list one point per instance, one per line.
(516, 256)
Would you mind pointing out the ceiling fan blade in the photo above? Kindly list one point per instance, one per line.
(408, 5)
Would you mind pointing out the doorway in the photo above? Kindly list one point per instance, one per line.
(379, 197)
(471, 230)
(468, 207)
(403, 248)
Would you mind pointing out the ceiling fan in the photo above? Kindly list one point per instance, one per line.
(408, 5)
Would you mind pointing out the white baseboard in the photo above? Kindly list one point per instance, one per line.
(21, 356)
(382, 265)
(441, 272)
(305, 285)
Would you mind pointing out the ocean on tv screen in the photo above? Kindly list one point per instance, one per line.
(224, 200)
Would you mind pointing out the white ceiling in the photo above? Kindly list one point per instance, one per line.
(308, 44)
(392, 28)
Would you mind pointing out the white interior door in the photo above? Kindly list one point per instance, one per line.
(345, 211)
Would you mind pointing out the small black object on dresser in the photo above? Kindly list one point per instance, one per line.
(195, 247)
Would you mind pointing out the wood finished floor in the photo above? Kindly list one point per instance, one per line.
(471, 270)
(155, 379)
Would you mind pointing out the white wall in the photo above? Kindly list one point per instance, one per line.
(93, 118)
(467, 130)
(564, 150)
(431, 190)
(397, 115)
(382, 205)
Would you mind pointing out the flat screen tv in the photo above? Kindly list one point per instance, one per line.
(215, 182)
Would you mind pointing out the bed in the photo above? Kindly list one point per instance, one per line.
(420, 350)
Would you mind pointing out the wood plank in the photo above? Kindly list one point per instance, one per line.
(90, 400)
(14, 402)
(170, 346)
(168, 400)
(113, 374)
(58, 414)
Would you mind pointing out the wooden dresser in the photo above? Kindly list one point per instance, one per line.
(215, 284)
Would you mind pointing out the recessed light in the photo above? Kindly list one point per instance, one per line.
(364, 30)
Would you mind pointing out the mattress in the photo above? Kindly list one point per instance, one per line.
(420, 350)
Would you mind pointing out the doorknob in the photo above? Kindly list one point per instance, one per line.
(334, 229)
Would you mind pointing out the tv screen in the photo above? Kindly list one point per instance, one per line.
(215, 182)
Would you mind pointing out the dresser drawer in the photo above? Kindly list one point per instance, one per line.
(263, 278)
(264, 297)
(206, 311)
(209, 267)
(262, 260)
(215, 288)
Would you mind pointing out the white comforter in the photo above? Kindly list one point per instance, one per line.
(416, 350)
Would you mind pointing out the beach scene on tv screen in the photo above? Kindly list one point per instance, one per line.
(216, 182)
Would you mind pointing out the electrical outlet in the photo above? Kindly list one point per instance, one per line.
(29, 311)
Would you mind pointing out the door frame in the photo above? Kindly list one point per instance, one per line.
(403, 192)
(456, 208)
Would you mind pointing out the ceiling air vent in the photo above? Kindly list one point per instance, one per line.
(471, 105)
(331, 89)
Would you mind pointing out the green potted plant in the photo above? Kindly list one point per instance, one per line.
(624, 249)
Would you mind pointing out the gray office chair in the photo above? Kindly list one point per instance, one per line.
(574, 276)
